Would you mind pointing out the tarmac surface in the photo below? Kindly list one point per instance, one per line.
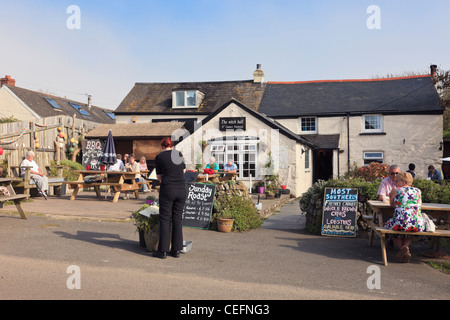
(279, 261)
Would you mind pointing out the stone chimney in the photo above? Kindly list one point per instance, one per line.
(89, 105)
(8, 81)
(258, 75)
(433, 73)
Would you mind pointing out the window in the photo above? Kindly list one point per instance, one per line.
(308, 125)
(243, 153)
(373, 157)
(373, 123)
(111, 115)
(307, 160)
(53, 103)
(79, 109)
(186, 99)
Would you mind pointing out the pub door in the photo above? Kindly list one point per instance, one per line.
(323, 165)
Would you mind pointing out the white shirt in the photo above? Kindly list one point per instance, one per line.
(118, 166)
(29, 163)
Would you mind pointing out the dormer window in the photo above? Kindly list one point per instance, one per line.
(186, 99)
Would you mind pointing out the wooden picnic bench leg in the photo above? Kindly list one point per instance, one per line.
(136, 194)
(20, 210)
(75, 192)
(383, 248)
(97, 191)
(371, 237)
(116, 195)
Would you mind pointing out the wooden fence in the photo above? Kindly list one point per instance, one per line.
(18, 137)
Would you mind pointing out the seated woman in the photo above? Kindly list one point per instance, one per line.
(213, 165)
(407, 214)
(134, 166)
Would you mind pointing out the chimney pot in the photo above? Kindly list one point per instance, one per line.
(8, 81)
(433, 73)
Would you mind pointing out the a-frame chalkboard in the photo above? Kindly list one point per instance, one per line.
(199, 203)
(340, 206)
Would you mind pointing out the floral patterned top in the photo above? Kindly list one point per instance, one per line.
(407, 213)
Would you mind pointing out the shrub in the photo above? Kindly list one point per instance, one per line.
(242, 210)
(68, 170)
(433, 192)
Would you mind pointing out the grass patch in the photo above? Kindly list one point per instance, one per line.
(443, 267)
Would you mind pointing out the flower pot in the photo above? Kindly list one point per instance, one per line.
(225, 225)
(283, 187)
(149, 201)
(261, 190)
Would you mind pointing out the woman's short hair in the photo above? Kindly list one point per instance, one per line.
(405, 177)
(166, 143)
(29, 153)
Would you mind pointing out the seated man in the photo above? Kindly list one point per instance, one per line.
(230, 167)
(388, 183)
(36, 174)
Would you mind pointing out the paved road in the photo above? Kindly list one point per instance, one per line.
(278, 261)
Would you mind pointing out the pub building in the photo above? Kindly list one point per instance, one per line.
(306, 131)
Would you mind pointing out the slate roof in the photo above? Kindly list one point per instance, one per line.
(415, 94)
(157, 97)
(135, 130)
(38, 103)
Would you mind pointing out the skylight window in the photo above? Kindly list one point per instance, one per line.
(111, 115)
(79, 109)
(52, 103)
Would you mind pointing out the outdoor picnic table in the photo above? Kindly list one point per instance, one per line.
(206, 177)
(114, 180)
(16, 198)
(383, 211)
(227, 175)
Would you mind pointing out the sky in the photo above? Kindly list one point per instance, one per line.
(103, 47)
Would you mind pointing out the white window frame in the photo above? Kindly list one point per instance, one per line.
(198, 99)
(315, 131)
(369, 156)
(375, 130)
(224, 150)
(307, 159)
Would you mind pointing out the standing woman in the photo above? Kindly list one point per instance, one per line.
(170, 169)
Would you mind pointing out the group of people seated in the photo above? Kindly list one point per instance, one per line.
(406, 201)
(229, 167)
(130, 164)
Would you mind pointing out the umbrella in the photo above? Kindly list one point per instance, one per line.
(108, 154)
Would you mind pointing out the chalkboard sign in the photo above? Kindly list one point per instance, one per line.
(198, 207)
(91, 151)
(339, 212)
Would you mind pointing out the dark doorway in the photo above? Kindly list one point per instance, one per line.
(323, 165)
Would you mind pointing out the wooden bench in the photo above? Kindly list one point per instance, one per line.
(381, 231)
(27, 183)
(16, 198)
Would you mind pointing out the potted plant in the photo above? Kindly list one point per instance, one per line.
(234, 212)
(150, 199)
(145, 225)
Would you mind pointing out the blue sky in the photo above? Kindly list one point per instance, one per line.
(123, 42)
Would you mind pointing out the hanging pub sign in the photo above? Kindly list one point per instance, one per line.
(236, 123)
(339, 212)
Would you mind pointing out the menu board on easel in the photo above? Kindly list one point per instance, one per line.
(91, 152)
(340, 206)
(198, 207)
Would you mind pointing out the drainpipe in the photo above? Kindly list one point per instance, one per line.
(348, 141)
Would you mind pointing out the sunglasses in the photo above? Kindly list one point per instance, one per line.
(394, 173)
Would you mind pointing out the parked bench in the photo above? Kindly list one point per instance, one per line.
(27, 183)
(16, 198)
(382, 231)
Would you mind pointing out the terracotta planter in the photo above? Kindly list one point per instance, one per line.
(225, 225)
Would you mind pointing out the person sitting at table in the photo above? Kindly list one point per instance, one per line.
(134, 166)
(388, 183)
(36, 174)
(118, 166)
(230, 166)
(407, 214)
(213, 165)
(434, 174)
